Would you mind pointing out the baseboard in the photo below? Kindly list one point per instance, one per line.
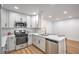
(73, 39)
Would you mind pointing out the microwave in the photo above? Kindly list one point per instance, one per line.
(20, 24)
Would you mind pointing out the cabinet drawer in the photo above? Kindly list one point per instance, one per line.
(21, 46)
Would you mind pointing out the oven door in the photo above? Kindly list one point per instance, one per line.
(21, 40)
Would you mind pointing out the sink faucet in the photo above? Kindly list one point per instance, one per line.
(45, 31)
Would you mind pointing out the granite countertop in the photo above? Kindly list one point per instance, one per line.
(51, 37)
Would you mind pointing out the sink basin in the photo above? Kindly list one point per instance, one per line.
(44, 34)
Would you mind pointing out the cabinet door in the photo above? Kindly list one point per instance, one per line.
(4, 18)
(42, 44)
(29, 39)
(34, 39)
(11, 43)
(12, 18)
(36, 21)
(37, 41)
(33, 21)
(39, 21)
(24, 18)
(29, 22)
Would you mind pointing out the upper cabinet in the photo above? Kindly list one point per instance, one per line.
(4, 18)
(13, 17)
(16, 17)
(35, 21)
(24, 17)
(8, 19)
(29, 21)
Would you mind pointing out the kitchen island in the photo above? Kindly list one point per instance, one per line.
(40, 41)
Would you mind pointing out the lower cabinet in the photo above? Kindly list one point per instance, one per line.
(39, 42)
(34, 40)
(11, 44)
(42, 43)
(29, 39)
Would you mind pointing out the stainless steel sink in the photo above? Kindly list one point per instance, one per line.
(44, 34)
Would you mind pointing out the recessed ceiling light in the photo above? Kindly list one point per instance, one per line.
(34, 13)
(57, 18)
(69, 16)
(50, 16)
(16, 7)
(65, 12)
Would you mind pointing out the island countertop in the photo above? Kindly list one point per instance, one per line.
(51, 37)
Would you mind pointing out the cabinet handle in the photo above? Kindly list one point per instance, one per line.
(12, 38)
(39, 41)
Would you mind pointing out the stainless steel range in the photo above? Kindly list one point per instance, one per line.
(21, 39)
(20, 34)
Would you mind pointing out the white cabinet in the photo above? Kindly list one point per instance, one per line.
(34, 20)
(11, 43)
(12, 18)
(16, 17)
(42, 44)
(29, 22)
(39, 20)
(39, 42)
(8, 19)
(4, 18)
(29, 39)
(34, 39)
(24, 18)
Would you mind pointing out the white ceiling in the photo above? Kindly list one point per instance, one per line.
(54, 10)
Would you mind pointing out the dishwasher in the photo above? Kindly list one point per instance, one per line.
(51, 46)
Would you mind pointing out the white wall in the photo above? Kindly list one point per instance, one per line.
(46, 24)
(70, 28)
(67, 27)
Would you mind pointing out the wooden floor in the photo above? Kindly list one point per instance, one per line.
(30, 50)
(72, 48)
